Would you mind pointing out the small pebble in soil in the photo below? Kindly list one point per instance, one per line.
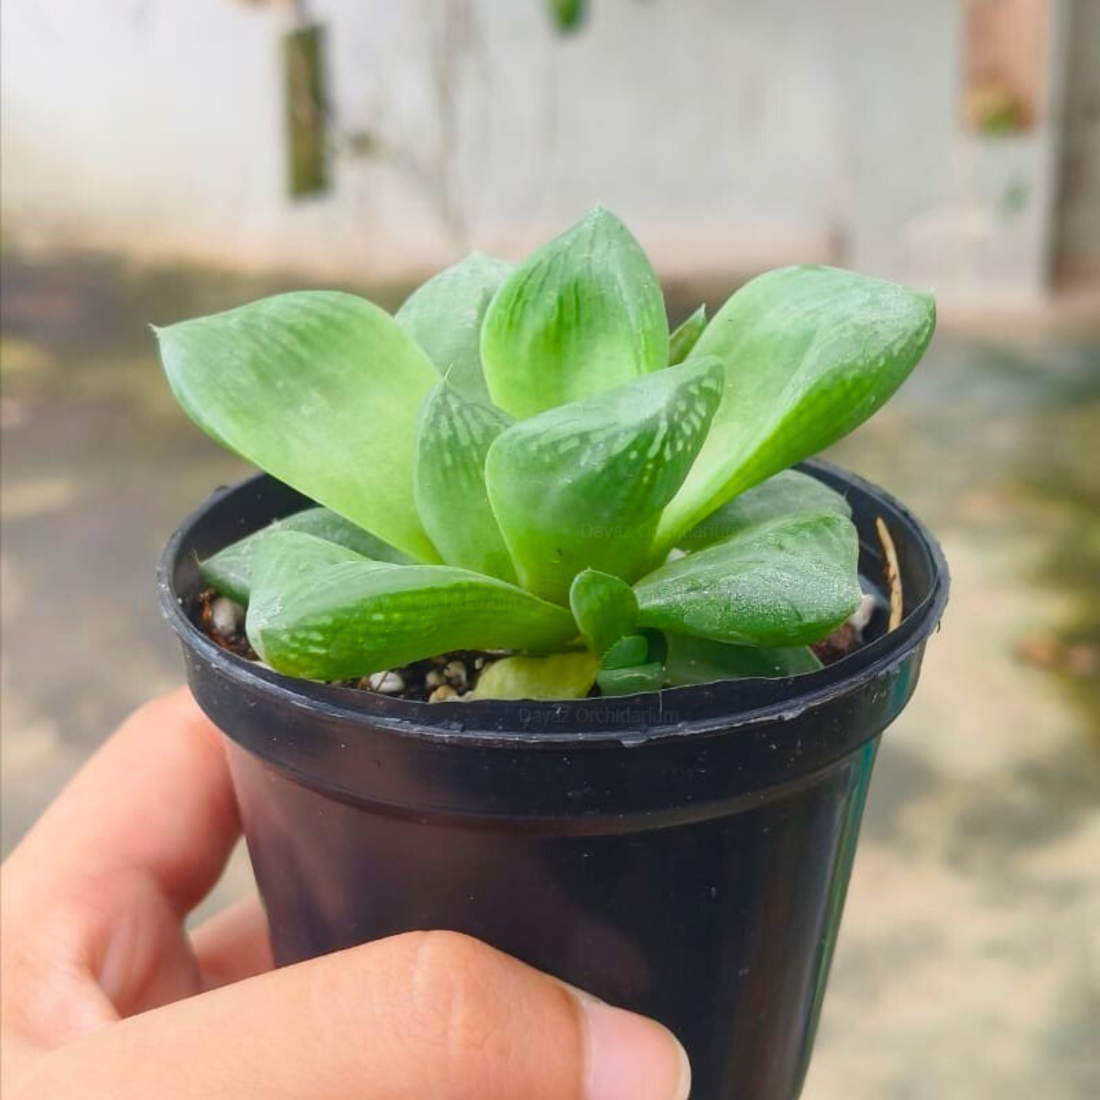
(226, 617)
(224, 626)
(455, 672)
(386, 683)
(423, 681)
(862, 614)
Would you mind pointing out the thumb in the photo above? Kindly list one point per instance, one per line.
(427, 1014)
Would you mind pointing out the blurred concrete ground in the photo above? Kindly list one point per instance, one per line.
(969, 961)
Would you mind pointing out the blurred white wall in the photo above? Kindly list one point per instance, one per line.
(730, 134)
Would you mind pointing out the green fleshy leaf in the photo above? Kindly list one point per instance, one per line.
(686, 336)
(605, 608)
(582, 486)
(701, 661)
(786, 582)
(627, 652)
(444, 317)
(582, 315)
(323, 612)
(781, 495)
(809, 354)
(558, 676)
(453, 438)
(321, 390)
(630, 681)
(229, 571)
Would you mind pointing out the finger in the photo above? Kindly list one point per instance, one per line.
(233, 945)
(425, 1014)
(154, 805)
(94, 896)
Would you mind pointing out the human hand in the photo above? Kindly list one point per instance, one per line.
(105, 995)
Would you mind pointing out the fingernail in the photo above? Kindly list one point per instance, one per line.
(630, 1057)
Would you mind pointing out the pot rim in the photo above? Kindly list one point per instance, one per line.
(487, 723)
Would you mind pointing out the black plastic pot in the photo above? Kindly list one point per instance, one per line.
(683, 853)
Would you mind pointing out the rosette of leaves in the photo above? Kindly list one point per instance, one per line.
(524, 458)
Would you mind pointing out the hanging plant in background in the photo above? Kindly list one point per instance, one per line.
(525, 459)
(568, 15)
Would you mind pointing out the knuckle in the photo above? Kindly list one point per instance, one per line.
(460, 1012)
(457, 1004)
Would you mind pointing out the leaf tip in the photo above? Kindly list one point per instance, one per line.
(601, 215)
(928, 298)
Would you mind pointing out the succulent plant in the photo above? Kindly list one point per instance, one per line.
(524, 458)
